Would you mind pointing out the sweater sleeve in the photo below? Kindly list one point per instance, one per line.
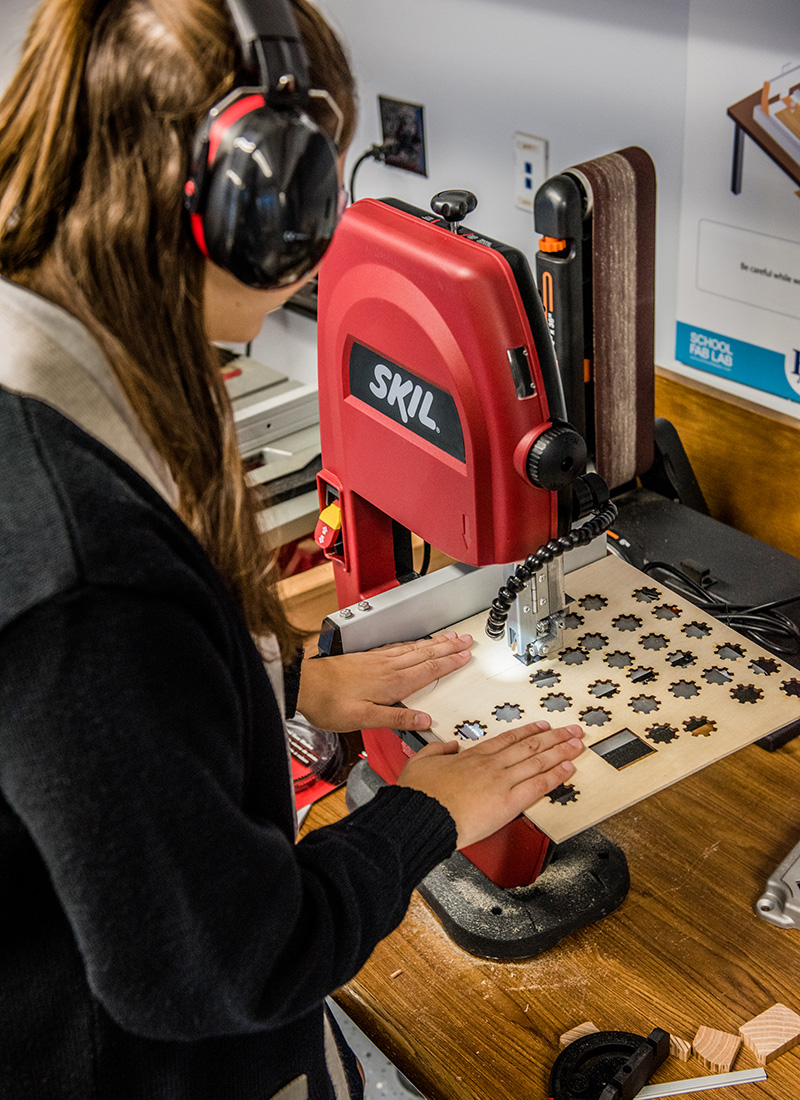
(122, 735)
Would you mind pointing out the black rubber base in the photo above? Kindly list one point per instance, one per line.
(586, 879)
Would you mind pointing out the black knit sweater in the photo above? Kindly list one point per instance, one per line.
(161, 935)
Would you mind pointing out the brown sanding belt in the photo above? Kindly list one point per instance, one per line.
(623, 187)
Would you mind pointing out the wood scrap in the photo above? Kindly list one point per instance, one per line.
(586, 1028)
(680, 1048)
(771, 1033)
(716, 1049)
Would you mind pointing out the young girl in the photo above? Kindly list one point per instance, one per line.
(162, 936)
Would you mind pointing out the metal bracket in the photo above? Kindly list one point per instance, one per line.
(780, 902)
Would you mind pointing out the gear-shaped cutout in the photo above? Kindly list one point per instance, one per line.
(618, 659)
(662, 734)
(764, 666)
(603, 689)
(545, 678)
(564, 793)
(667, 611)
(646, 595)
(508, 712)
(471, 730)
(626, 622)
(644, 704)
(717, 675)
(684, 689)
(696, 630)
(700, 727)
(595, 716)
(681, 658)
(574, 656)
(556, 702)
(746, 693)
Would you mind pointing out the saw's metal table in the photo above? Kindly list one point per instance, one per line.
(684, 949)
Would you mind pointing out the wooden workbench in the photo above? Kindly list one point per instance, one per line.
(684, 949)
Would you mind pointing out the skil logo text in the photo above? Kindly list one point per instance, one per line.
(409, 398)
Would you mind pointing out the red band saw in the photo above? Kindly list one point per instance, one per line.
(442, 414)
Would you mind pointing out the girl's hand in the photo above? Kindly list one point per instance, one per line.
(488, 784)
(360, 690)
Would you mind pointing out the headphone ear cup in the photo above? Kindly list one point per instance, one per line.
(270, 197)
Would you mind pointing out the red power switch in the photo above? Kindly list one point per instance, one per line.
(329, 525)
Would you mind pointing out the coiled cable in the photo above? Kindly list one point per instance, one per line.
(578, 536)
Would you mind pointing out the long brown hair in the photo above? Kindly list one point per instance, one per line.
(96, 132)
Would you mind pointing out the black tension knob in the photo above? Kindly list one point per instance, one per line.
(557, 458)
(453, 206)
(589, 494)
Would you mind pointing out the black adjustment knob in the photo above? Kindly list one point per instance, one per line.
(589, 494)
(557, 458)
(453, 206)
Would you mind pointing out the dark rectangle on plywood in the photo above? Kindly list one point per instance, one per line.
(622, 748)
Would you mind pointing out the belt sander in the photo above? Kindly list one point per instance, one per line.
(596, 273)
(456, 405)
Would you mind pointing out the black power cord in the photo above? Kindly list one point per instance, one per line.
(375, 152)
(764, 624)
(578, 536)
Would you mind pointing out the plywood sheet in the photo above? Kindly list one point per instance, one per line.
(660, 688)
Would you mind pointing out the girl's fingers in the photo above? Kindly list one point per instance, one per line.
(531, 790)
(407, 680)
(527, 736)
(530, 746)
(414, 654)
(541, 763)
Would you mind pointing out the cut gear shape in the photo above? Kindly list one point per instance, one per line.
(644, 704)
(699, 727)
(646, 595)
(508, 712)
(746, 693)
(470, 730)
(662, 734)
(595, 716)
(556, 702)
(564, 794)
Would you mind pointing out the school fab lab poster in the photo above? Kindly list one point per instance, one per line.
(738, 307)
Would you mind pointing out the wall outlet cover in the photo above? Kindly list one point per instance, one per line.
(530, 168)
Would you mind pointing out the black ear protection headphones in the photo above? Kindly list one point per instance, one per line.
(263, 195)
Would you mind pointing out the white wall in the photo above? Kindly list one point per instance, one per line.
(16, 15)
(590, 76)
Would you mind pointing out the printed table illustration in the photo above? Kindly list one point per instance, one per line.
(771, 118)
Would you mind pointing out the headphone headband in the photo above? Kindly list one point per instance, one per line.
(271, 45)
